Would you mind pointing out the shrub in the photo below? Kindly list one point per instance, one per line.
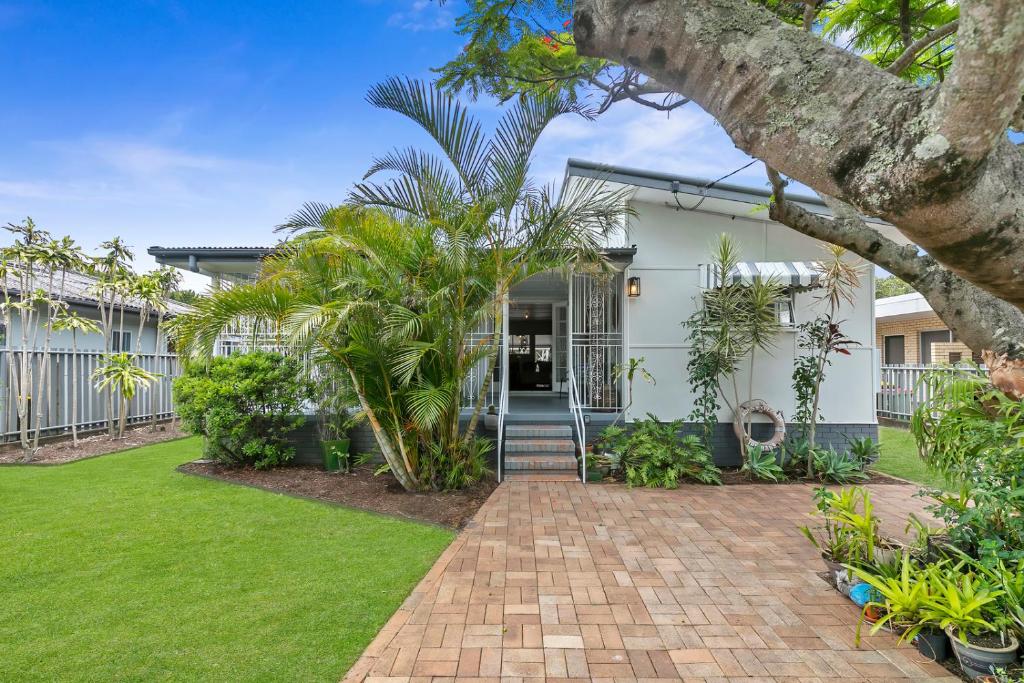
(838, 468)
(970, 431)
(245, 405)
(656, 456)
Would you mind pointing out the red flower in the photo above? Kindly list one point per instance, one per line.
(556, 48)
(547, 39)
(566, 24)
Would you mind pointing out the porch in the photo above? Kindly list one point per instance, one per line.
(562, 339)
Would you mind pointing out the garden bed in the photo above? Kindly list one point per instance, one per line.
(736, 476)
(358, 489)
(62, 451)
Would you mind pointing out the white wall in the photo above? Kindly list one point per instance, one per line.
(670, 246)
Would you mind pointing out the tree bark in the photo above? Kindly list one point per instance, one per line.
(935, 162)
(977, 318)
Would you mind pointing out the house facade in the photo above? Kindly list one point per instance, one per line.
(908, 332)
(565, 333)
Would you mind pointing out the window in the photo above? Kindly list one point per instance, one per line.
(784, 312)
(893, 350)
(933, 337)
(955, 357)
(120, 341)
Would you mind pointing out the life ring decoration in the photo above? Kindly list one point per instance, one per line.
(761, 408)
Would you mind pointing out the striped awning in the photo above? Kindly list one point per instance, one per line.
(794, 274)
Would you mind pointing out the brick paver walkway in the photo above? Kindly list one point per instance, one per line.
(563, 581)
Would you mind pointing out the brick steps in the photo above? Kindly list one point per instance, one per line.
(541, 476)
(540, 452)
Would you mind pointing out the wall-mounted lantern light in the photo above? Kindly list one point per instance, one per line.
(633, 287)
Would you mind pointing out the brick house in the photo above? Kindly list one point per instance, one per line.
(908, 332)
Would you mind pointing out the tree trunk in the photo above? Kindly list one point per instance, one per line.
(398, 464)
(74, 388)
(977, 318)
(935, 162)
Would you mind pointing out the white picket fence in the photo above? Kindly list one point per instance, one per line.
(901, 390)
(92, 404)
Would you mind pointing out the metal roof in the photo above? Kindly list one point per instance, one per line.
(670, 182)
(77, 290)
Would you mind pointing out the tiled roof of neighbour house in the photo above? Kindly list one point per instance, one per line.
(77, 290)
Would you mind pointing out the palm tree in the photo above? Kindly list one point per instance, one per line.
(391, 289)
(484, 183)
(167, 280)
(75, 323)
(112, 271)
(119, 373)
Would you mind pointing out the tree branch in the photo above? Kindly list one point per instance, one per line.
(911, 53)
(976, 103)
(977, 318)
(845, 127)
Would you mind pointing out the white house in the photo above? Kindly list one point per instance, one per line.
(566, 333)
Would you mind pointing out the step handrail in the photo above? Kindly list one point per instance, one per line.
(577, 417)
(502, 410)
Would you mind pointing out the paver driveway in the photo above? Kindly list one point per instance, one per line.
(563, 581)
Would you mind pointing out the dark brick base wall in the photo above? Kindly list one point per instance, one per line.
(725, 447)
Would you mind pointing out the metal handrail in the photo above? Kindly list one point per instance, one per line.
(577, 416)
(502, 410)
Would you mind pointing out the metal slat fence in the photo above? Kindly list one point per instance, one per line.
(902, 390)
(92, 404)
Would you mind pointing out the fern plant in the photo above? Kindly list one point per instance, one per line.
(657, 457)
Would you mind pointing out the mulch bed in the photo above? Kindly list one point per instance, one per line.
(358, 489)
(62, 451)
(733, 477)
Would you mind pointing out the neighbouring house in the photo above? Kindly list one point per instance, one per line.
(79, 297)
(566, 333)
(908, 332)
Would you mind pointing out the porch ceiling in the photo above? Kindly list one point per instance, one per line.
(551, 286)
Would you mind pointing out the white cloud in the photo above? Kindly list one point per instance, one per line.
(687, 142)
(422, 15)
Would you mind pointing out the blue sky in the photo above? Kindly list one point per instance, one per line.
(206, 123)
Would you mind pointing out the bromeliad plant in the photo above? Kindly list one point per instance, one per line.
(848, 532)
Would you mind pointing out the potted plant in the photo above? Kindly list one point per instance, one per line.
(491, 418)
(899, 602)
(967, 608)
(333, 421)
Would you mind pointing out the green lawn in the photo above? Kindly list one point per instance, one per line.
(900, 459)
(119, 568)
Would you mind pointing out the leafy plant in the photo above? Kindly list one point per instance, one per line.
(630, 370)
(246, 405)
(730, 325)
(763, 464)
(656, 456)
(839, 468)
(848, 532)
(902, 599)
(118, 374)
(963, 601)
(865, 450)
(822, 338)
